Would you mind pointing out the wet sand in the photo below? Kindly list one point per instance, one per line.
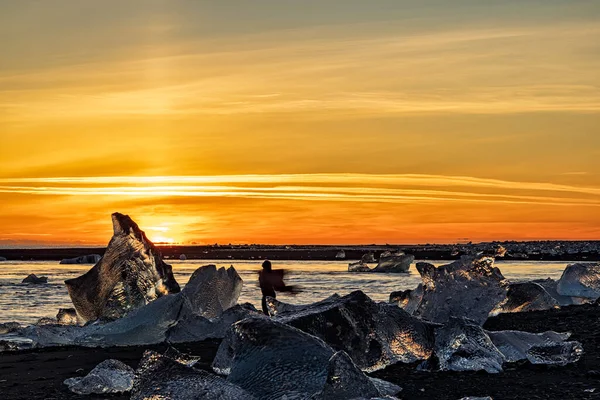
(39, 374)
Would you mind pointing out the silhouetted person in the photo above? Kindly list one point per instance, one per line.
(270, 281)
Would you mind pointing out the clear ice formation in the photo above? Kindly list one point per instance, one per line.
(66, 316)
(394, 263)
(374, 335)
(110, 376)
(549, 348)
(408, 300)
(525, 296)
(551, 287)
(580, 280)
(146, 325)
(176, 317)
(160, 377)
(276, 361)
(191, 328)
(461, 345)
(358, 266)
(470, 287)
(276, 307)
(346, 381)
(129, 275)
(210, 291)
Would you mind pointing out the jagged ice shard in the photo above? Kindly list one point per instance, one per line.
(192, 328)
(461, 345)
(538, 348)
(346, 381)
(210, 291)
(525, 296)
(408, 300)
(275, 361)
(129, 275)
(374, 335)
(580, 280)
(394, 263)
(159, 377)
(470, 287)
(110, 376)
(276, 307)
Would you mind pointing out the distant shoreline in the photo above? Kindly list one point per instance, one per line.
(534, 251)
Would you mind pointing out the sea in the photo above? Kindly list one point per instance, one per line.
(27, 303)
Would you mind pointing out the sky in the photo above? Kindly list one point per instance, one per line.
(308, 122)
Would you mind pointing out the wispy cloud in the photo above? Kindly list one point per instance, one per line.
(408, 188)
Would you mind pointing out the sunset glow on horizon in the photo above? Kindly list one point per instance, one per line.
(338, 122)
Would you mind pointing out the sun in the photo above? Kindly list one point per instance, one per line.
(160, 235)
(161, 239)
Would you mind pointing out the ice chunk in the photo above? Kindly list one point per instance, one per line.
(130, 275)
(580, 280)
(89, 259)
(15, 344)
(66, 316)
(551, 287)
(275, 361)
(461, 345)
(8, 327)
(374, 335)
(470, 287)
(194, 327)
(476, 398)
(346, 381)
(46, 321)
(385, 388)
(110, 376)
(397, 262)
(269, 359)
(525, 296)
(210, 291)
(146, 325)
(539, 348)
(358, 267)
(186, 359)
(368, 258)
(159, 377)
(50, 335)
(276, 307)
(408, 300)
(33, 278)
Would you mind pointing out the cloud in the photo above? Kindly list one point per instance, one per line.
(364, 188)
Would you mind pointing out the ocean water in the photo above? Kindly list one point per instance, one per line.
(27, 303)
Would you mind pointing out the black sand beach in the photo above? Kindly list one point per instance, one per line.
(39, 374)
(577, 251)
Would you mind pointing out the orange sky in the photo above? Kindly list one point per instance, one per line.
(299, 122)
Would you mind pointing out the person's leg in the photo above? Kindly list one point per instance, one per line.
(264, 304)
